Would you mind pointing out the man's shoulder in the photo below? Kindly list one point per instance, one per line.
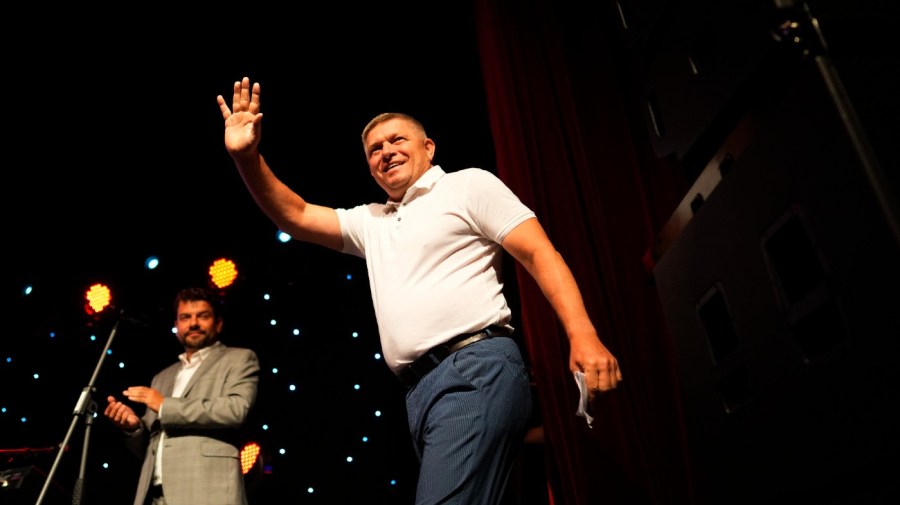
(238, 350)
(466, 170)
(474, 178)
(471, 172)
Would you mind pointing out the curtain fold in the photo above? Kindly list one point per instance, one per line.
(567, 144)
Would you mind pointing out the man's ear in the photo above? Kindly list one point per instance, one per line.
(430, 147)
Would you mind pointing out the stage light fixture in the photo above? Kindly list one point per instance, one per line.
(249, 456)
(222, 273)
(151, 262)
(97, 298)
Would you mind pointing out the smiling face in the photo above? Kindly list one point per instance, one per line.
(196, 325)
(399, 153)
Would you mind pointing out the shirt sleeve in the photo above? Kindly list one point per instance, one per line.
(494, 208)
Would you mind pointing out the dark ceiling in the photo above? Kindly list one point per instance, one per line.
(114, 143)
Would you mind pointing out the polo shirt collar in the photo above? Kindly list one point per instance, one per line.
(423, 185)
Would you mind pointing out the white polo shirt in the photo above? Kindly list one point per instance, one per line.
(434, 259)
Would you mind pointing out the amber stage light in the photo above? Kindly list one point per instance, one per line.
(249, 456)
(97, 298)
(222, 273)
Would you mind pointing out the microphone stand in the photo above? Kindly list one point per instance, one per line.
(85, 408)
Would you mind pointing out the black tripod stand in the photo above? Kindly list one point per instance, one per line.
(85, 409)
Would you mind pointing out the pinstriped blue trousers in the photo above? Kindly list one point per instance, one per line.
(468, 419)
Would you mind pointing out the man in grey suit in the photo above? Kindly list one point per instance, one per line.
(194, 409)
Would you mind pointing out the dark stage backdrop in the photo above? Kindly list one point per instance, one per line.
(721, 178)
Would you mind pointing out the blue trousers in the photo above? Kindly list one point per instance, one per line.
(468, 419)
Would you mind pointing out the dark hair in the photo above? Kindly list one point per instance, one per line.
(199, 294)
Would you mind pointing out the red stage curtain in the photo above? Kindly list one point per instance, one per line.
(567, 143)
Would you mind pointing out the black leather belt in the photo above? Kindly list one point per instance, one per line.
(427, 362)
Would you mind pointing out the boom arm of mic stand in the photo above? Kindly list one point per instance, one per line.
(83, 407)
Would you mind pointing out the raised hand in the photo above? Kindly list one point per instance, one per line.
(243, 121)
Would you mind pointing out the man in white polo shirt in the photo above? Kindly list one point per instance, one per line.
(434, 253)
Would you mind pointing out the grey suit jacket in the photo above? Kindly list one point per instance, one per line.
(201, 457)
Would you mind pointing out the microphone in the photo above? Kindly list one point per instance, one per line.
(133, 317)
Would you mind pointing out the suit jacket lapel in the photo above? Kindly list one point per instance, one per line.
(167, 380)
(204, 368)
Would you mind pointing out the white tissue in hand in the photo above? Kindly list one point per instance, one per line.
(583, 402)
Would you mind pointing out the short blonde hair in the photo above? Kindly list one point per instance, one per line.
(387, 116)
